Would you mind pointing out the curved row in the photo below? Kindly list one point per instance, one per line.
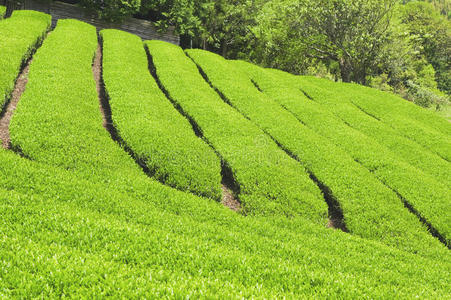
(19, 36)
(390, 104)
(270, 181)
(61, 239)
(407, 150)
(388, 111)
(365, 201)
(2, 11)
(421, 190)
(150, 125)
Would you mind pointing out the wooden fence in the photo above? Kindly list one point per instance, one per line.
(60, 10)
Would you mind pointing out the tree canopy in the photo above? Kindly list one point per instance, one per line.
(397, 45)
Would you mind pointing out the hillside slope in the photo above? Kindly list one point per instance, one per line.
(95, 200)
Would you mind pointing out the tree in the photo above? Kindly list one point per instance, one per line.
(348, 32)
(112, 10)
(218, 25)
(430, 36)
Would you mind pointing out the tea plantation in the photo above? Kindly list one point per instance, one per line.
(119, 156)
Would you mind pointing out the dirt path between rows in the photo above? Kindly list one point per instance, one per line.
(97, 71)
(228, 199)
(8, 111)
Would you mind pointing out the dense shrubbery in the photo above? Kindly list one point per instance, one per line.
(60, 239)
(2, 11)
(150, 125)
(112, 10)
(387, 44)
(19, 36)
(78, 216)
(269, 181)
(363, 198)
(387, 108)
(413, 153)
(425, 97)
(428, 195)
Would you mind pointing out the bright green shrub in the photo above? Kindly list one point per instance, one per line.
(60, 239)
(433, 133)
(70, 229)
(270, 182)
(365, 201)
(406, 149)
(58, 121)
(421, 190)
(19, 36)
(409, 120)
(150, 125)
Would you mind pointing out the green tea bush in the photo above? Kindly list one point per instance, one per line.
(97, 243)
(365, 201)
(421, 190)
(104, 229)
(408, 120)
(407, 149)
(19, 36)
(150, 125)
(269, 181)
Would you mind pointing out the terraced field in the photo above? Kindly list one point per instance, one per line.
(122, 159)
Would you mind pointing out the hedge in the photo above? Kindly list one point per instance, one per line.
(429, 197)
(434, 136)
(365, 201)
(269, 181)
(148, 123)
(408, 150)
(19, 36)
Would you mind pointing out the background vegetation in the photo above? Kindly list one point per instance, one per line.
(401, 46)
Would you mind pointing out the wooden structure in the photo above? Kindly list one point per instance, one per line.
(60, 10)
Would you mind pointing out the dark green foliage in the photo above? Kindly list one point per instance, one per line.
(430, 36)
(347, 32)
(19, 36)
(112, 10)
(145, 119)
(219, 25)
(270, 182)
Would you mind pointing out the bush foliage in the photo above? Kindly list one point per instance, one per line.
(150, 125)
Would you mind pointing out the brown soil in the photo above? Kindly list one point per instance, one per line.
(8, 111)
(97, 71)
(229, 200)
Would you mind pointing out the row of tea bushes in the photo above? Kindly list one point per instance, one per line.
(365, 201)
(270, 182)
(421, 190)
(148, 123)
(19, 36)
